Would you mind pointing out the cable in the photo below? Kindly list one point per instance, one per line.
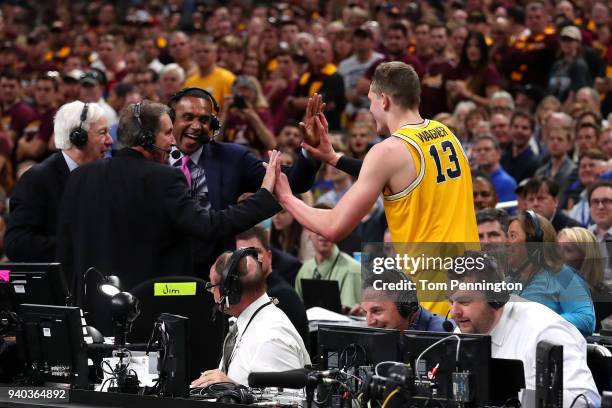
(351, 375)
(385, 362)
(583, 397)
(452, 336)
(391, 394)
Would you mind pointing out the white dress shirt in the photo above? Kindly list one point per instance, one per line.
(522, 325)
(270, 343)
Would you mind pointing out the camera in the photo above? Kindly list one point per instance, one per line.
(239, 102)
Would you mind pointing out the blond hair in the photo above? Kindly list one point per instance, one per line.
(586, 243)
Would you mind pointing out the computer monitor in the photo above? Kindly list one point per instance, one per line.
(51, 342)
(36, 283)
(474, 356)
(350, 346)
(174, 364)
(321, 293)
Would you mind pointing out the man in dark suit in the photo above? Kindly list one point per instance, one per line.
(288, 300)
(32, 221)
(220, 173)
(286, 265)
(132, 215)
(542, 195)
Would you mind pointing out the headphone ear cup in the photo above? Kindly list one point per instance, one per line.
(78, 137)
(407, 309)
(214, 124)
(146, 138)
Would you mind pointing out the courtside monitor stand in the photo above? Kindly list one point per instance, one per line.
(36, 283)
(51, 342)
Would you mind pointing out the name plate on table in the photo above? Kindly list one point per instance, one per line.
(175, 289)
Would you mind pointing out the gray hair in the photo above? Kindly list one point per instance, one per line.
(504, 95)
(68, 118)
(129, 129)
(173, 67)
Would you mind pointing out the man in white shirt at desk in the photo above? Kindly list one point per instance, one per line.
(516, 326)
(262, 338)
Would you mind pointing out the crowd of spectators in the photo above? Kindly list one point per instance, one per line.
(526, 86)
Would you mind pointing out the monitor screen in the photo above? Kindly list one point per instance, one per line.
(36, 283)
(51, 342)
(439, 363)
(350, 346)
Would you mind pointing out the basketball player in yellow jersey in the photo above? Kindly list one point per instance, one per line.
(421, 170)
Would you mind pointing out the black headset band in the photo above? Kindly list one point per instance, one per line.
(84, 113)
(535, 223)
(194, 91)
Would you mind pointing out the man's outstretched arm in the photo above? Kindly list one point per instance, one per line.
(378, 167)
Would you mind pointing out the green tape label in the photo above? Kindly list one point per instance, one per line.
(174, 289)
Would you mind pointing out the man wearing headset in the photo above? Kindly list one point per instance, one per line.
(81, 134)
(516, 326)
(132, 215)
(396, 308)
(219, 173)
(262, 337)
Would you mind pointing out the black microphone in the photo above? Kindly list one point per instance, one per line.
(176, 154)
(446, 324)
(295, 379)
(284, 379)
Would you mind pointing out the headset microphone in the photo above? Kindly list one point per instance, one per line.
(446, 324)
(176, 154)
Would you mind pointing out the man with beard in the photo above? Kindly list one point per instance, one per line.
(516, 326)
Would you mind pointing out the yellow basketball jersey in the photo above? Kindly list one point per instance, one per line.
(439, 205)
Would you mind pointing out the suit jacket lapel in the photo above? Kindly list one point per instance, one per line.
(214, 175)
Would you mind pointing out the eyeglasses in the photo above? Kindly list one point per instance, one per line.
(209, 286)
(595, 202)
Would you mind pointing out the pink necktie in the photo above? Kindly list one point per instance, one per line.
(185, 169)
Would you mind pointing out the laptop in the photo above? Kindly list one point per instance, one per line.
(321, 293)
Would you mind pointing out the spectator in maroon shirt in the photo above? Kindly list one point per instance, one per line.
(36, 63)
(423, 47)
(111, 61)
(15, 114)
(34, 144)
(474, 78)
(433, 84)
(280, 86)
(246, 116)
(396, 43)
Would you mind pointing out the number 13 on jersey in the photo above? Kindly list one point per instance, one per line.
(440, 151)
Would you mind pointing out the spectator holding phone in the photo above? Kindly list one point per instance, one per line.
(246, 118)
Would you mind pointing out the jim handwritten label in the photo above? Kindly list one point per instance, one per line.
(175, 289)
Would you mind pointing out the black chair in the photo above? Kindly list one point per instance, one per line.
(599, 360)
(206, 337)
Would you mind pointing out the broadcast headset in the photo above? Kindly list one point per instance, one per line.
(230, 287)
(145, 137)
(534, 251)
(78, 135)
